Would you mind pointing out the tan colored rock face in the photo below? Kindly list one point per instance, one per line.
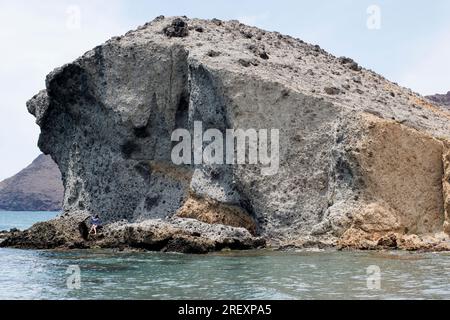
(213, 212)
(403, 174)
(406, 185)
(446, 186)
(376, 218)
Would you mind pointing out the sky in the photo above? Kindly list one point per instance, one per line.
(407, 41)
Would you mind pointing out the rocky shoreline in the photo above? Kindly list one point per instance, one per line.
(176, 235)
(194, 237)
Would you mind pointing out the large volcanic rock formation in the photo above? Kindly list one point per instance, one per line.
(363, 162)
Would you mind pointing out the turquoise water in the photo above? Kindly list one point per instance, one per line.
(23, 220)
(233, 275)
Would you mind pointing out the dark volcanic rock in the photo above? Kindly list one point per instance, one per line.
(36, 188)
(350, 63)
(442, 99)
(178, 28)
(332, 90)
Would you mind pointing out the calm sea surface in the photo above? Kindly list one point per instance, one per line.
(23, 220)
(235, 275)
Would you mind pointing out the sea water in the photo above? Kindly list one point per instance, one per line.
(23, 220)
(107, 274)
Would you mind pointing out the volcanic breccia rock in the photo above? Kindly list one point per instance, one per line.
(363, 161)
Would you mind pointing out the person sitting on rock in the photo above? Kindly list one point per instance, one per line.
(96, 224)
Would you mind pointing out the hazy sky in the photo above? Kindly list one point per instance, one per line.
(409, 44)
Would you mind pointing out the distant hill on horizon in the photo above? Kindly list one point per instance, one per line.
(38, 187)
(442, 99)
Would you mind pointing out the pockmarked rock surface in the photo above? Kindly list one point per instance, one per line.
(38, 187)
(363, 162)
